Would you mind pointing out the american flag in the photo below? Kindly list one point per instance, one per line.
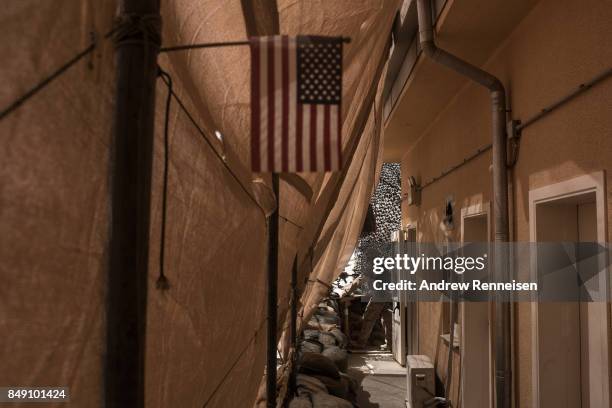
(296, 90)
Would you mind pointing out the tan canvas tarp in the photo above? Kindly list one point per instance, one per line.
(54, 201)
(206, 335)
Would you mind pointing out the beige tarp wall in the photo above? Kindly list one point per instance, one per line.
(54, 198)
(206, 335)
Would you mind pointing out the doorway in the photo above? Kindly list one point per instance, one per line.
(404, 330)
(570, 339)
(411, 328)
(398, 336)
(476, 367)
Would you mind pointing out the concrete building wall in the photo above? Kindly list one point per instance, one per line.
(557, 46)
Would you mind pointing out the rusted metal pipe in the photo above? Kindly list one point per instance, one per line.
(503, 380)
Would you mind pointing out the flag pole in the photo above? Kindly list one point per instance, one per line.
(174, 48)
(293, 327)
(272, 298)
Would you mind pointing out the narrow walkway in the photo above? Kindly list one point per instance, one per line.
(382, 380)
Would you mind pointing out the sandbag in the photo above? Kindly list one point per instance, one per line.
(331, 320)
(338, 387)
(341, 338)
(329, 401)
(333, 303)
(327, 339)
(323, 307)
(310, 334)
(338, 356)
(318, 364)
(353, 387)
(307, 385)
(319, 325)
(300, 402)
(352, 383)
(326, 316)
(329, 303)
(311, 346)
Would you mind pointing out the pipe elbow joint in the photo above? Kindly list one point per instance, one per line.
(498, 92)
(429, 48)
(496, 86)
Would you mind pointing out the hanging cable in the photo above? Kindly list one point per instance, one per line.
(215, 151)
(162, 281)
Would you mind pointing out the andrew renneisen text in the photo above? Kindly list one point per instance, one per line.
(459, 265)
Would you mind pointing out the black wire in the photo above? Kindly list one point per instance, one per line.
(219, 156)
(165, 77)
(231, 368)
(168, 81)
(290, 222)
(33, 91)
(162, 281)
(246, 347)
(42, 84)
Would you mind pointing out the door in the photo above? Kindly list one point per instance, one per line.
(570, 338)
(475, 327)
(559, 329)
(398, 347)
(411, 300)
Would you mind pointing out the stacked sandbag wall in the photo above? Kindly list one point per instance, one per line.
(322, 364)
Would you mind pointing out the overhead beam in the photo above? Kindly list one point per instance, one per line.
(260, 17)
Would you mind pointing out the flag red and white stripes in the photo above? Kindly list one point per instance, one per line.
(296, 88)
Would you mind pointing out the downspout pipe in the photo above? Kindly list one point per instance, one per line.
(503, 379)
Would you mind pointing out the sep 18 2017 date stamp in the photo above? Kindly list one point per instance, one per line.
(34, 394)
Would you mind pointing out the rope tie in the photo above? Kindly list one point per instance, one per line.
(138, 29)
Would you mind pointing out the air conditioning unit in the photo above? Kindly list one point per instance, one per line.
(421, 381)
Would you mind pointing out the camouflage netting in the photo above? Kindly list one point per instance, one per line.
(385, 203)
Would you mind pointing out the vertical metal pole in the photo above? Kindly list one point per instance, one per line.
(131, 162)
(503, 352)
(293, 328)
(272, 298)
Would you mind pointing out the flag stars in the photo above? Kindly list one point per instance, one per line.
(319, 71)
